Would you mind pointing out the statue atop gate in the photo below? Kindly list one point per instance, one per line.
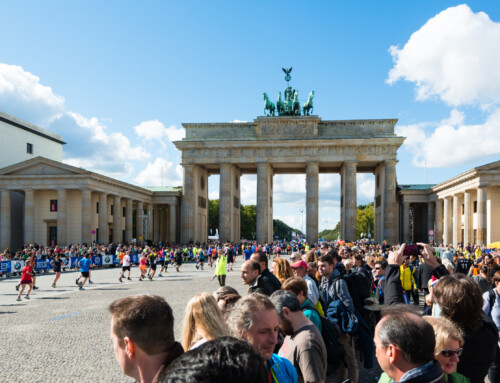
(290, 105)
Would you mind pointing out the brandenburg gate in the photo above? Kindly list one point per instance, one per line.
(287, 143)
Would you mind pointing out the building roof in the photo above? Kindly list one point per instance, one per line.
(14, 121)
(163, 188)
(416, 187)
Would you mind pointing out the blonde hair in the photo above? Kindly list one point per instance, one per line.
(282, 269)
(311, 256)
(444, 329)
(202, 319)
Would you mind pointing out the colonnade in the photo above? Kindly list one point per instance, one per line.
(195, 210)
(98, 211)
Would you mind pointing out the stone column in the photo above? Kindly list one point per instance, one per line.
(156, 223)
(149, 222)
(188, 201)
(264, 203)
(225, 203)
(163, 223)
(447, 226)
(312, 198)
(103, 218)
(61, 217)
(172, 230)
(29, 216)
(128, 219)
(431, 210)
(467, 218)
(5, 229)
(86, 216)
(439, 222)
(481, 215)
(390, 207)
(139, 222)
(117, 219)
(457, 221)
(348, 174)
(406, 222)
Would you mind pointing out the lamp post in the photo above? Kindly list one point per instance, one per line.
(301, 220)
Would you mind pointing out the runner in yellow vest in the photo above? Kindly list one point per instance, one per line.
(220, 268)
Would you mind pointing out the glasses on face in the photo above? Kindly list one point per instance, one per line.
(450, 353)
(377, 268)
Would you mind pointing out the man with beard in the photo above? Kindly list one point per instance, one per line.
(303, 345)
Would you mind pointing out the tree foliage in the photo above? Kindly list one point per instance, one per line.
(365, 220)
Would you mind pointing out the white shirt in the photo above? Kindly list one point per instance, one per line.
(126, 260)
(312, 290)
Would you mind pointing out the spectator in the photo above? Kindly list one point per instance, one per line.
(264, 271)
(226, 304)
(223, 291)
(300, 270)
(312, 271)
(491, 307)
(254, 319)
(462, 265)
(282, 269)
(142, 331)
(459, 299)
(448, 349)
(483, 279)
(405, 346)
(378, 277)
(221, 360)
(203, 321)
(333, 287)
(303, 344)
(250, 274)
(298, 286)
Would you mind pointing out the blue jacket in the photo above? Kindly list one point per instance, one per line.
(282, 370)
(327, 291)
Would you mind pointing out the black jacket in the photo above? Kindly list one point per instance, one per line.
(261, 286)
(391, 286)
(271, 279)
(424, 274)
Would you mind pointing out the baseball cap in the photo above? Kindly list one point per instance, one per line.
(299, 264)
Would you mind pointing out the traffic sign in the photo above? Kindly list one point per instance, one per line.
(430, 232)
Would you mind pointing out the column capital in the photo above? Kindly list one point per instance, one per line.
(390, 162)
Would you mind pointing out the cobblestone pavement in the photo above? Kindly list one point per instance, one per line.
(62, 334)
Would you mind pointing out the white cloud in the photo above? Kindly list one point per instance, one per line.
(454, 56)
(154, 130)
(23, 96)
(365, 189)
(154, 172)
(91, 146)
(443, 144)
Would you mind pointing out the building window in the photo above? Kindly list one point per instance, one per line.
(97, 208)
(29, 148)
(53, 205)
(475, 206)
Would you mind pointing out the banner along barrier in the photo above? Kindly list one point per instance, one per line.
(5, 266)
(16, 266)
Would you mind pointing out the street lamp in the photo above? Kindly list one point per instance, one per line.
(301, 220)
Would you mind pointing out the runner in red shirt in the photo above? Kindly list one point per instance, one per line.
(26, 280)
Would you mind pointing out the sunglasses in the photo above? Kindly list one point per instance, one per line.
(450, 353)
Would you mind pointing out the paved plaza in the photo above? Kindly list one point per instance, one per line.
(62, 334)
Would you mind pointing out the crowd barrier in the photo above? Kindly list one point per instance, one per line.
(16, 266)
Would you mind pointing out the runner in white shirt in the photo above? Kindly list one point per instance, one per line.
(125, 266)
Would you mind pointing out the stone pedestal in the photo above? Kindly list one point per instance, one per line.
(29, 216)
(349, 201)
(264, 203)
(312, 198)
(481, 216)
(5, 231)
(86, 216)
(61, 218)
(229, 203)
(128, 220)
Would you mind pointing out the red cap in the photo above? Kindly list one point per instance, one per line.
(299, 264)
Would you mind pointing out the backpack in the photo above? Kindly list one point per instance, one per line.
(360, 288)
(335, 351)
(339, 314)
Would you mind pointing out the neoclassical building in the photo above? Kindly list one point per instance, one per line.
(45, 201)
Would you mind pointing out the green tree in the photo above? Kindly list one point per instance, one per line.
(365, 220)
(331, 235)
(248, 221)
(213, 215)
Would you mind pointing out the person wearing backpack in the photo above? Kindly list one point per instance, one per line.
(334, 296)
(491, 307)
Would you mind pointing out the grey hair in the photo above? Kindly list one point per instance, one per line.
(241, 317)
(282, 298)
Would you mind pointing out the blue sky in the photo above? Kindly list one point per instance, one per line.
(118, 78)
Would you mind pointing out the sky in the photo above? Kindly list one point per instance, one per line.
(116, 79)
